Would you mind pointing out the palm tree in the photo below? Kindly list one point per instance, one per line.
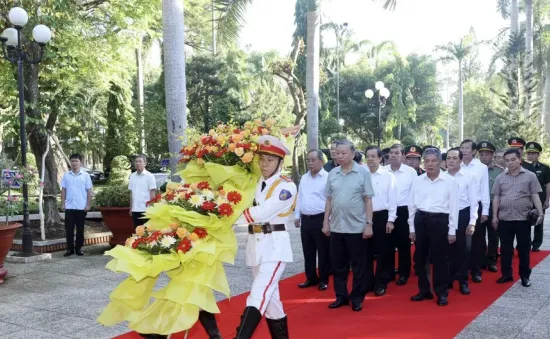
(528, 63)
(312, 73)
(388, 4)
(173, 31)
(457, 52)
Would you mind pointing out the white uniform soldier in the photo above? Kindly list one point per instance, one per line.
(268, 247)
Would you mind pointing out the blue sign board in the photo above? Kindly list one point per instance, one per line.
(165, 162)
(9, 176)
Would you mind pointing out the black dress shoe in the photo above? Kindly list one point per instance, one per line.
(477, 278)
(322, 286)
(442, 301)
(464, 289)
(308, 283)
(504, 279)
(370, 289)
(79, 253)
(153, 336)
(422, 296)
(492, 268)
(525, 282)
(380, 291)
(339, 303)
(68, 253)
(356, 306)
(402, 281)
(535, 249)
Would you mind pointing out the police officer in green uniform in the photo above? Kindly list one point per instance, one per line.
(486, 156)
(519, 143)
(533, 150)
(413, 155)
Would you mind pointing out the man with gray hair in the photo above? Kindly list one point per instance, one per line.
(348, 221)
(142, 188)
(433, 220)
(309, 214)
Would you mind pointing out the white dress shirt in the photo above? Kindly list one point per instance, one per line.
(311, 194)
(385, 192)
(467, 193)
(404, 177)
(481, 174)
(437, 196)
(141, 186)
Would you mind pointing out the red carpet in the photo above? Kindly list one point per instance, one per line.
(390, 316)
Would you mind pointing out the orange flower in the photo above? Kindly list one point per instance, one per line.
(264, 131)
(237, 137)
(181, 232)
(258, 122)
(247, 158)
(232, 147)
(269, 122)
(221, 140)
(193, 186)
(129, 242)
(193, 237)
(239, 151)
(174, 226)
(140, 231)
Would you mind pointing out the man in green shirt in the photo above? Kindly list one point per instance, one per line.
(533, 150)
(486, 156)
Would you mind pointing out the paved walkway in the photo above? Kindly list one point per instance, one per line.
(62, 297)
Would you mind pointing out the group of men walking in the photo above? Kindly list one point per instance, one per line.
(352, 216)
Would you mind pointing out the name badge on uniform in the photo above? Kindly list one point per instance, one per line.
(285, 195)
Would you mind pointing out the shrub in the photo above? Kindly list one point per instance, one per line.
(113, 196)
(120, 171)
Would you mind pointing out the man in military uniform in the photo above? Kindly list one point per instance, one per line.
(486, 156)
(268, 245)
(542, 171)
(519, 143)
(413, 156)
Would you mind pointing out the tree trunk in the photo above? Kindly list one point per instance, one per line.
(528, 67)
(514, 30)
(312, 74)
(173, 30)
(141, 103)
(399, 131)
(460, 102)
(546, 104)
(38, 140)
(514, 17)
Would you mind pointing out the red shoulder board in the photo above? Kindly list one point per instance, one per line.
(285, 178)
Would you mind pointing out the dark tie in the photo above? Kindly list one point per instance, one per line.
(263, 186)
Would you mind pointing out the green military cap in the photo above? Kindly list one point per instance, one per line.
(533, 147)
(413, 151)
(486, 146)
(516, 142)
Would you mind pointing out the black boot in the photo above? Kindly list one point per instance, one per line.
(249, 321)
(208, 321)
(153, 336)
(278, 328)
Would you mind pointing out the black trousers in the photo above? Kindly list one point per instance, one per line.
(521, 231)
(460, 249)
(399, 239)
(479, 245)
(431, 230)
(346, 248)
(136, 217)
(379, 243)
(538, 233)
(74, 218)
(316, 246)
(491, 249)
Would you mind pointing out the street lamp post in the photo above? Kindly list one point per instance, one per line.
(383, 95)
(14, 52)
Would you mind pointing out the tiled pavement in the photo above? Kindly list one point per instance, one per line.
(62, 297)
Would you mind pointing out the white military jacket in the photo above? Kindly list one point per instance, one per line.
(273, 205)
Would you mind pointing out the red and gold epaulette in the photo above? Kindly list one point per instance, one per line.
(285, 178)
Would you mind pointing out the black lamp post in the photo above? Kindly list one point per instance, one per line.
(14, 51)
(383, 95)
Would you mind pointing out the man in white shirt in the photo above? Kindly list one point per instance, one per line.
(384, 206)
(433, 220)
(481, 174)
(399, 238)
(467, 216)
(309, 214)
(143, 187)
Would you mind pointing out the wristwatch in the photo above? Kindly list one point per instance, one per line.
(369, 222)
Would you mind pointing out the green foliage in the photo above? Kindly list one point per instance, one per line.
(121, 133)
(113, 195)
(120, 171)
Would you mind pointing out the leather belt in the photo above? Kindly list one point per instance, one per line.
(314, 216)
(265, 228)
(430, 214)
